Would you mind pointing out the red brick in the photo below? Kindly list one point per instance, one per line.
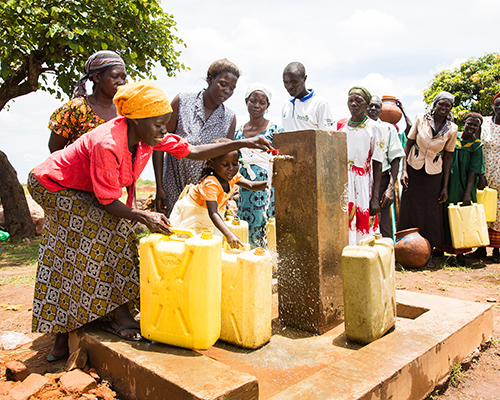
(77, 381)
(6, 386)
(31, 385)
(16, 371)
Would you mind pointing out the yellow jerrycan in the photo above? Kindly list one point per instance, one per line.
(180, 278)
(271, 241)
(468, 227)
(246, 297)
(488, 198)
(239, 228)
(368, 274)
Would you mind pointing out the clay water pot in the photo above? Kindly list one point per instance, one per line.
(390, 111)
(411, 249)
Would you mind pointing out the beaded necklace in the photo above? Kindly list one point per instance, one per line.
(358, 124)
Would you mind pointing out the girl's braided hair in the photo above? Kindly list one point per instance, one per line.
(207, 170)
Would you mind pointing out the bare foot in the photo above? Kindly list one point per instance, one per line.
(122, 317)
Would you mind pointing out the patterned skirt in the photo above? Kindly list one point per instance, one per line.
(88, 263)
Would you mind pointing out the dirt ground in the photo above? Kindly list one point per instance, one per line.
(477, 379)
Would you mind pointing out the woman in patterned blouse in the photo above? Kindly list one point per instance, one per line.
(85, 112)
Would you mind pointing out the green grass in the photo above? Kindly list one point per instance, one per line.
(145, 182)
(455, 374)
(17, 280)
(18, 252)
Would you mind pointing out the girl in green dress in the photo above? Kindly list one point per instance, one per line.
(467, 163)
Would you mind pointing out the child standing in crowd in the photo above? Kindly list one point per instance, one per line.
(200, 207)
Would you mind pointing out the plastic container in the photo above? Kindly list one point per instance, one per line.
(271, 242)
(180, 282)
(390, 111)
(369, 288)
(246, 297)
(271, 234)
(239, 228)
(468, 226)
(488, 198)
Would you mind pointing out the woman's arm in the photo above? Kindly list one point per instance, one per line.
(212, 150)
(172, 123)
(404, 174)
(443, 196)
(57, 142)
(231, 238)
(158, 156)
(374, 201)
(156, 222)
(232, 129)
(161, 195)
(466, 201)
(252, 185)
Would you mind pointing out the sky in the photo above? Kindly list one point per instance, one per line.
(390, 47)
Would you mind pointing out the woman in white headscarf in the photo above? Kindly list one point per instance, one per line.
(426, 171)
(256, 207)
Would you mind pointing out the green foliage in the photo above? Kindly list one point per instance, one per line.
(473, 83)
(41, 37)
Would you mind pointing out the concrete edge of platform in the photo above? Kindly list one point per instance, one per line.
(406, 363)
(153, 371)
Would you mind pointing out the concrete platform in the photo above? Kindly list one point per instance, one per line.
(432, 335)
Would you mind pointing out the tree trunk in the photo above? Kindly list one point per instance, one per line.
(15, 207)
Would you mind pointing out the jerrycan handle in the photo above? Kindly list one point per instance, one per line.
(180, 235)
(369, 241)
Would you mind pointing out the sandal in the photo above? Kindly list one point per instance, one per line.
(53, 358)
(496, 255)
(106, 327)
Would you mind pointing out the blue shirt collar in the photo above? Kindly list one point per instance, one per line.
(305, 98)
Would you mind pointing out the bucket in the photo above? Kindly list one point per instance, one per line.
(468, 227)
(488, 198)
(180, 280)
(368, 278)
(246, 297)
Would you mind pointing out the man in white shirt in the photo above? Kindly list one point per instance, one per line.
(305, 109)
(390, 165)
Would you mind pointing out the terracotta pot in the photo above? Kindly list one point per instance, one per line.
(390, 111)
(411, 249)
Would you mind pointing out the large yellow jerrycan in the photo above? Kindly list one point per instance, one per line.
(239, 228)
(246, 297)
(271, 241)
(488, 198)
(369, 288)
(180, 278)
(468, 227)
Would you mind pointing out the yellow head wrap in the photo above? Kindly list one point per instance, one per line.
(143, 99)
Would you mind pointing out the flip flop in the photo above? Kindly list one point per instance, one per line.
(106, 327)
(53, 358)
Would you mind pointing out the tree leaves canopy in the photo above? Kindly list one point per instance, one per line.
(57, 36)
(473, 83)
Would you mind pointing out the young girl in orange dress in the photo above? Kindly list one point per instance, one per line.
(201, 206)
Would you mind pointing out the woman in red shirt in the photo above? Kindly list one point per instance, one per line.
(88, 262)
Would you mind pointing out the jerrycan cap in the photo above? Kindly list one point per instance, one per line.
(378, 236)
(207, 234)
(271, 220)
(236, 221)
(259, 251)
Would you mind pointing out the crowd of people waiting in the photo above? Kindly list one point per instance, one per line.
(101, 142)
